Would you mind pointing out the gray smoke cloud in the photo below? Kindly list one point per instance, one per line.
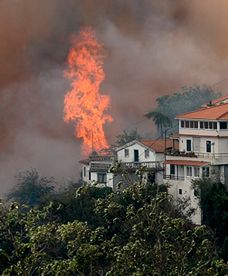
(153, 48)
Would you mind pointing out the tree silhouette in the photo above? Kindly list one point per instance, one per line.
(161, 121)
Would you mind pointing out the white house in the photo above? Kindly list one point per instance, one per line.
(203, 151)
(95, 170)
(146, 154)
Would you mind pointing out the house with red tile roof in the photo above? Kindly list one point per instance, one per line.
(203, 152)
(146, 154)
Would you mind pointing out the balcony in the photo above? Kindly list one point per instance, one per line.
(173, 177)
(145, 165)
(171, 152)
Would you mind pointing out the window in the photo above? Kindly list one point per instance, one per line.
(182, 123)
(187, 124)
(208, 146)
(84, 171)
(126, 153)
(101, 178)
(210, 125)
(189, 145)
(201, 124)
(214, 125)
(180, 191)
(196, 171)
(147, 153)
(206, 125)
(206, 171)
(195, 124)
(136, 155)
(172, 169)
(89, 175)
(191, 124)
(189, 171)
(223, 125)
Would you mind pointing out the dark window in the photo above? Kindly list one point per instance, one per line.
(191, 124)
(182, 123)
(214, 125)
(84, 171)
(195, 124)
(89, 175)
(187, 124)
(189, 145)
(206, 125)
(210, 125)
(206, 171)
(136, 156)
(126, 152)
(172, 169)
(196, 171)
(208, 146)
(201, 124)
(147, 153)
(180, 191)
(101, 178)
(223, 125)
(189, 171)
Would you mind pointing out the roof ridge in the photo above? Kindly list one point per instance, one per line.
(203, 109)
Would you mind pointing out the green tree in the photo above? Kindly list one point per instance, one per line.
(185, 100)
(138, 233)
(214, 204)
(31, 188)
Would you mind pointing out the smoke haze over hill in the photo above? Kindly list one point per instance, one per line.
(153, 48)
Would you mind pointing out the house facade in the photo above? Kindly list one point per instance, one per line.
(203, 152)
(96, 170)
(147, 155)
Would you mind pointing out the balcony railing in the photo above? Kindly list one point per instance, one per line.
(196, 154)
(173, 177)
(100, 158)
(181, 153)
(146, 165)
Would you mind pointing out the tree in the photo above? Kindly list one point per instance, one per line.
(139, 233)
(126, 137)
(185, 100)
(161, 121)
(31, 188)
(214, 204)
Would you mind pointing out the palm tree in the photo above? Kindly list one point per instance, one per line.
(161, 120)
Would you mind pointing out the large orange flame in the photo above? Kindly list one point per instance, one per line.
(84, 104)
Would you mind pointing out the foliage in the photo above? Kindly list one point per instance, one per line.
(31, 188)
(138, 233)
(126, 137)
(185, 100)
(161, 121)
(214, 203)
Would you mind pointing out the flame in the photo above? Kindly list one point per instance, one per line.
(84, 104)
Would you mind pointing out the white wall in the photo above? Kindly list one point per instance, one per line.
(141, 149)
(187, 194)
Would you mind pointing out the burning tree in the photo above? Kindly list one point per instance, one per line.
(84, 103)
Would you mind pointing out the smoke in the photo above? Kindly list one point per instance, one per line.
(153, 48)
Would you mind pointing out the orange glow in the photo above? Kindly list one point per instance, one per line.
(84, 104)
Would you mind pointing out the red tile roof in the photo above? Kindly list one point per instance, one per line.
(217, 112)
(159, 145)
(221, 100)
(186, 163)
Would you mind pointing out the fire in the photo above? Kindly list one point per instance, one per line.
(84, 104)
